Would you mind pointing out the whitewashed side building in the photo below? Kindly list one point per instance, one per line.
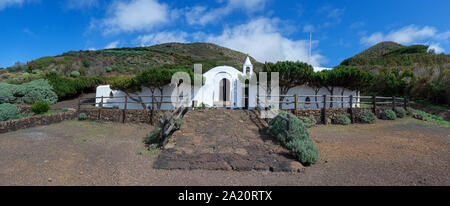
(224, 87)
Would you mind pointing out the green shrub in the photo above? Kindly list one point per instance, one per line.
(75, 74)
(367, 116)
(36, 90)
(8, 112)
(304, 150)
(278, 126)
(40, 107)
(341, 119)
(82, 116)
(298, 141)
(154, 137)
(309, 121)
(66, 87)
(109, 69)
(388, 115)
(65, 109)
(400, 112)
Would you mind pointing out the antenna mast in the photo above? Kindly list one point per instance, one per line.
(310, 47)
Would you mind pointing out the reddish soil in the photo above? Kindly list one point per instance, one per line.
(401, 152)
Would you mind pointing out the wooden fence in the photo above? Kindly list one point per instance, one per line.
(123, 100)
(353, 101)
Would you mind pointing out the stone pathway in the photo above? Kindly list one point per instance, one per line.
(221, 139)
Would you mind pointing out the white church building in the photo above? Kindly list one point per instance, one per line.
(223, 87)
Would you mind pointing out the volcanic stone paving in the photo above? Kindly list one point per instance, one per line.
(221, 139)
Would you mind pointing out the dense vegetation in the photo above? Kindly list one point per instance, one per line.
(36, 90)
(411, 71)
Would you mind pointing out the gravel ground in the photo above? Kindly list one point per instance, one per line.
(401, 152)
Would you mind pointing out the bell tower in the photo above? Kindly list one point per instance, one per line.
(248, 67)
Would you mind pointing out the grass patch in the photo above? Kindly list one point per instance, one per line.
(421, 115)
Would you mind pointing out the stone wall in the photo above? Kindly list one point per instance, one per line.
(333, 112)
(117, 115)
(33, 121)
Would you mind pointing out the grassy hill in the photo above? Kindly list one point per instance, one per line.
(123, 61)
(423, 74)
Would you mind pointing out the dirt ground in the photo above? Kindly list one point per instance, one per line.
(401, 152)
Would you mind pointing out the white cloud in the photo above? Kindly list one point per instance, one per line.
(201, 15)
(112, 45)
(262, 38)
(162, 37)
(443, 36)
(135, 15)
(309, 28)
(437, 48)
(7, 3)
(80, 4)
(405, 35)
(357, 25)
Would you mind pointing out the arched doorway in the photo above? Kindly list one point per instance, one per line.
(224, 92)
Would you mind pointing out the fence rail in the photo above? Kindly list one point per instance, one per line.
(155, 100)
(352, 101)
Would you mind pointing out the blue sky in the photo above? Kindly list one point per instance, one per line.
(268, 30)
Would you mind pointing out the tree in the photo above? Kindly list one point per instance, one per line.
(154, 79)
(291, 74)
(352, 78)
(316, 83)
(331, 79)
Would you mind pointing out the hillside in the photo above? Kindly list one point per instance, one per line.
(120, 61)
(379, 49)
(430, 72)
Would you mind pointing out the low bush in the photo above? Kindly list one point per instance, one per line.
(82, 116)
(388, 115)
(309, 121)
(367, 117)
(65, 109)
(154, 137)
(278, 126)
(298, 140)
(37, 90)
(75, 74)
(304, 150)
(40, 107)
(400, 112)
(341, 119)
(8, 112)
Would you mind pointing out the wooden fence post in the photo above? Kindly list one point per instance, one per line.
(79, 105)
(351, 109)
(405, 103)
(125, 110)
(393, 103)
(296, 104)
(374, 105)
(324, 111)
(101, 107)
